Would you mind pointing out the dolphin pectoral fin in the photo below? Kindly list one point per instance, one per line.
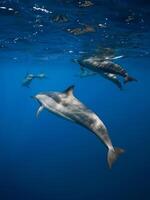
(118, 57)
(113, 155)
(39, 111)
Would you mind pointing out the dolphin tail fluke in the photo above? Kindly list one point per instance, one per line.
(129, 79)
(113, 154)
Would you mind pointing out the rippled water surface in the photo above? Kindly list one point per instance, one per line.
(50, 158)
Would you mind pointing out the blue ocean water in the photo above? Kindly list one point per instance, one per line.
(50, 158)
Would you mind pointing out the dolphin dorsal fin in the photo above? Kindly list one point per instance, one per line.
(69, 90)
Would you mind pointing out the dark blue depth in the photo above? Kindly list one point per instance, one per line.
(50, 158)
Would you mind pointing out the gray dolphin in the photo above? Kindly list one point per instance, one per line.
(30, 77)
(105, 65)
(66, 105)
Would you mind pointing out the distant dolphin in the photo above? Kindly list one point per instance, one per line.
(66, 105)
(29, 78)
(112, 77)
(101, 65)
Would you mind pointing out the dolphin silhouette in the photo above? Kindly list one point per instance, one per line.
(66, 105)
(30, 77)
(107, 66)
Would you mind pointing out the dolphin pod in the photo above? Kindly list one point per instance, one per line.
(66, 105)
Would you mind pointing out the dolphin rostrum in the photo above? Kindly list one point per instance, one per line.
(66, 105)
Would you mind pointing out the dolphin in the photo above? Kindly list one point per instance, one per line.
(66, 105)
(105, 65)
(85, 72)
(30, 77)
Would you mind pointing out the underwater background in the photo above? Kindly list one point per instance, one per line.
(50, 158)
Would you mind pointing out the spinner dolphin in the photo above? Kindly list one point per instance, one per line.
(66, 105)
